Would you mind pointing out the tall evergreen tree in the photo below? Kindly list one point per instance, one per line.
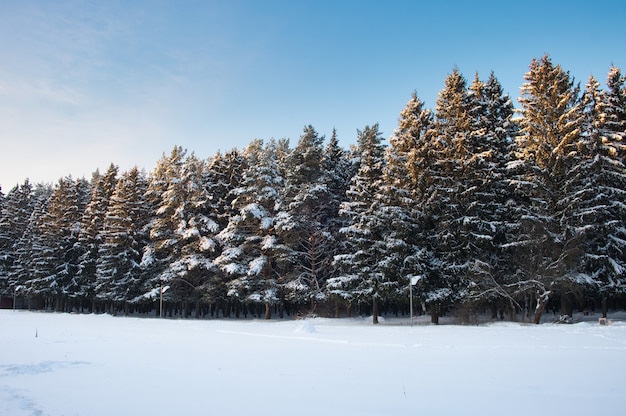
(551, 125)
(54, 264)
(196, 226)
(123, 237)
(21, 270)
(302, 220)
(405, 244)
(361, 277)
(338, 170)
(164, 199)
(444, 208)
(15, 212)
(252, 253)
(224, 175)
(90, 236)
(483, 194)
(597, 187)
(5, 245)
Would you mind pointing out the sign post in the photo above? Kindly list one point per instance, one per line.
(413, 281)
(161, 301)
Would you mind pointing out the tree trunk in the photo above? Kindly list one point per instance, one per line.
(605, 306)
(268, 311)
(434, 314)
(542, 301)
(375, 310)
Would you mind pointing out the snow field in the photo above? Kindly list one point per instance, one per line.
(61, 364)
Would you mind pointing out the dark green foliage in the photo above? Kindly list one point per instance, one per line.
(54, 258)
(482, 210)
(252, 253)
(596, 189)
(91, 230)
(123, 237)
(15, 211)
(363, 276)
(303, 221)
(549, 143)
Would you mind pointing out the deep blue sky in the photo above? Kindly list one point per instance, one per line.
(87, 83)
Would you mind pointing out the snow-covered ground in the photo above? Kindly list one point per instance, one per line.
(61, 364)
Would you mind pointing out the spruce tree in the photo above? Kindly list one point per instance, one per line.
(15, 214)
(163, 200)
(361, 278)
(123, 237)
(551, 126)
(252, 253)
(403, 238)
(338, 170)
(90, 236)
(183, 231)
(196, 227)
(224, 175)
(21, 270)
(54, 263)
(301, 222)
(484, 195)
(597, 187)
(445, 171)
(5, 245)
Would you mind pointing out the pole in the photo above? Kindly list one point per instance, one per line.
(161, 302)
(411, 299)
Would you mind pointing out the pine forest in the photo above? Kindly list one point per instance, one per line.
(474, 207)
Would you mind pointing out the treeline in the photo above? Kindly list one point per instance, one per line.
(479, 207)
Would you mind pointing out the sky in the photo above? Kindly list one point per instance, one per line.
(84, 84)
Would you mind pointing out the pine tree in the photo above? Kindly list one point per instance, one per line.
(338, 170)
(54, 262)
(550, 133)
(443, 173)
(405, 244)
(15, 214)
(597, 187)
(90, 236)
(164, 200)
(21, 270)
(197, 226)
(301, 223)
(123, 237)
(5, 245)
(183, 232)
(252, 254)
(224, 175)
(484, 194)
(361, 277)
(337, 173)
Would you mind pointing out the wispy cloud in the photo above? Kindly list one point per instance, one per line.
(65, 106)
